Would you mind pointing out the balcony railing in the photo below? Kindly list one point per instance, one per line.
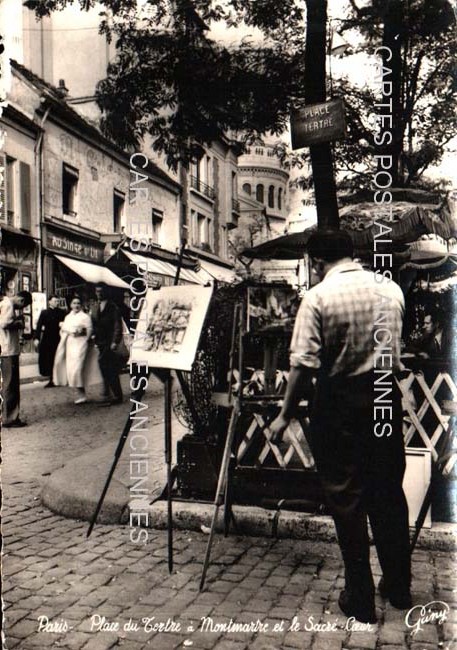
(203, 188)
(235, 206)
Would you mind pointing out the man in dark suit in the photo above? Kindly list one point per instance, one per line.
(435, 340)
(108, 334)
(47, 337)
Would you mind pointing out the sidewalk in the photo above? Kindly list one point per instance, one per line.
(66, 591)
(73, 491)
(28, 368)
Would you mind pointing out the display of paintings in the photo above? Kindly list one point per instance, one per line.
(169, 326)
(270, 307)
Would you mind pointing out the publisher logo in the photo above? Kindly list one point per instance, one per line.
(435, 611)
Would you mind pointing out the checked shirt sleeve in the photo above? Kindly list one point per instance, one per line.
(306, 344)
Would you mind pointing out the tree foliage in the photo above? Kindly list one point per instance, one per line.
(171, 81)
(426, 117)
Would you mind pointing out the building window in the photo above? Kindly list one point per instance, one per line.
(204, 238)
(208, 176)
(25, 196)
(16, 194)
(223, 242)
(247, 188)
(202, 229)
(70, 178)
(201, 178)
(118, 210)
(157, 219)
(280, 198)
(10, 189)
(259, 195)
(271, 196)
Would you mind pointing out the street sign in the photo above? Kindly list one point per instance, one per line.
(317, 123)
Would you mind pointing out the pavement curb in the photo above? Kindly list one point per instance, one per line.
(257, 522)
(73, 491)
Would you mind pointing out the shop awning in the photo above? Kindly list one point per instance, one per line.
(217, 272)
(153, 265)
(92, 273)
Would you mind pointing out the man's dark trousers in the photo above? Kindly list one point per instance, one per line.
(362, 475)
(11, 389)
(110, 369)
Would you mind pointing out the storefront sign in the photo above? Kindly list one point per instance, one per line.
(74, 245)
(317, 123)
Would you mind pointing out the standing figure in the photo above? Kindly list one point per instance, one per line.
(10, 326)
(71, 354)
(360, 460)
(47, 336)
(108, 334)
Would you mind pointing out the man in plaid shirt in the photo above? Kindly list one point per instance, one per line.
(347, 332)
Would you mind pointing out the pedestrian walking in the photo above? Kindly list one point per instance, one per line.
(11, 324)
(361, 471)
(47, 337)
(107, 325)
(71, 354)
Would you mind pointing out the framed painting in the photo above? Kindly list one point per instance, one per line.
(169, 326)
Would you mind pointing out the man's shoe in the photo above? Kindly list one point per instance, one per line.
(16, 424)
(50, 384)
(350, 610)
(81, 400)
(398, 600)
(117, 400)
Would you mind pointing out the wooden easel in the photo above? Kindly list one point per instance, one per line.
(263, 410)
(164, 374)
(222, 483)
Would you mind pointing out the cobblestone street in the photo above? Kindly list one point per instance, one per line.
(66, 591)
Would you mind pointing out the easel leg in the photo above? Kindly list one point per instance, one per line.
(117, 454)
(421, 516)
(220, 490)
(167, 410)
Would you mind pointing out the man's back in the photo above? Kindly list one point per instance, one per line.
(347, 321)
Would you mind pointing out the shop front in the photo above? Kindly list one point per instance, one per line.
(73, 263)
(19, 255)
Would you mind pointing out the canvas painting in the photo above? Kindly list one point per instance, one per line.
(271, 307)
(170, 325)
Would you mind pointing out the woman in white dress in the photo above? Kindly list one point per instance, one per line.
(71, 354)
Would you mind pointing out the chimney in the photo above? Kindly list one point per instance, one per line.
(62, 90)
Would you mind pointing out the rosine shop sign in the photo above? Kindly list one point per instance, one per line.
(74, 245)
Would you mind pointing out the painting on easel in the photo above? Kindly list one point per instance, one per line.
(271, 306)
(169, 326)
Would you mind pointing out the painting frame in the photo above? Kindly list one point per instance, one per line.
(169, 326)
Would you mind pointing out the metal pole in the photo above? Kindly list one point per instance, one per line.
(168, 384)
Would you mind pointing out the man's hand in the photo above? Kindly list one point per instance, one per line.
(113, 346)
(36, 343)
(277, 428)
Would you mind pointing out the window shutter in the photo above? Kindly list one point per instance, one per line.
(26, 216)
(3, 201)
